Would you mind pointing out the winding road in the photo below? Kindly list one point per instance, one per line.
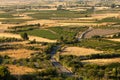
(61, 68)
(81, 36)
(58, 66)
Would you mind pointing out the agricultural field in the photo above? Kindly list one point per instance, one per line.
(101, 32)
(24, 60)
(102, 61)
(60, 43)
(79, 51)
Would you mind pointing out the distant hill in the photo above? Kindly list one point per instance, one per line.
(24, 2)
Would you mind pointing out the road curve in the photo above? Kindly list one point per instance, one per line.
(81, 36)
(61, 68)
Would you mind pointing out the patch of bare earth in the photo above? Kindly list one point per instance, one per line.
(79, 51)
(101, 32)
(103, 61)
(19, 70)
(17, 54)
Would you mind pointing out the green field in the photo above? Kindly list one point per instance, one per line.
(6, 15)
(100, 44)
(56, 14)
(14, 21)
(42, 33)
(110, 19)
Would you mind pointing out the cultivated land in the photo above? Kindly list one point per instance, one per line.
(101, 32)
(118, 40)
(79, 51)
(50, 31)
(103, 61)
(20, 70)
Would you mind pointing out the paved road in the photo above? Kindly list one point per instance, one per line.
(81, 36)
(61, 68)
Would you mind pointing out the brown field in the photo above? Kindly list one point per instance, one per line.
(103, 61)
(101, 32)
(101, 16)
(22, 16)
(17, 54)
(79, 51)
(19, 70)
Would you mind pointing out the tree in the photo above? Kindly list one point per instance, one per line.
(59, 7)
(25, 36)
(118, 35)
(96, 36)
(113, 6)
(4, 73)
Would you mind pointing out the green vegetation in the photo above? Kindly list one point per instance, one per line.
(110, 19)
(6, 15)
(68, 33)
(24, 36)
(5, 74)
(89, 71)
(3, 39)
(60, 14)
(40, 55)
(14, 21)
(99, 44)
(42, 33)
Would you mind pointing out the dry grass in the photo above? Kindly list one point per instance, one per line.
(103, 61)
(17, 54)
(101, 16)
(22, 16)
(79, 51)
(118, 40)
(19, 70)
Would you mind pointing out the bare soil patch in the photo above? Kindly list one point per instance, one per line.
(79, 51)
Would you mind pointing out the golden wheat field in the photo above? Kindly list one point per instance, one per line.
(79, 51)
